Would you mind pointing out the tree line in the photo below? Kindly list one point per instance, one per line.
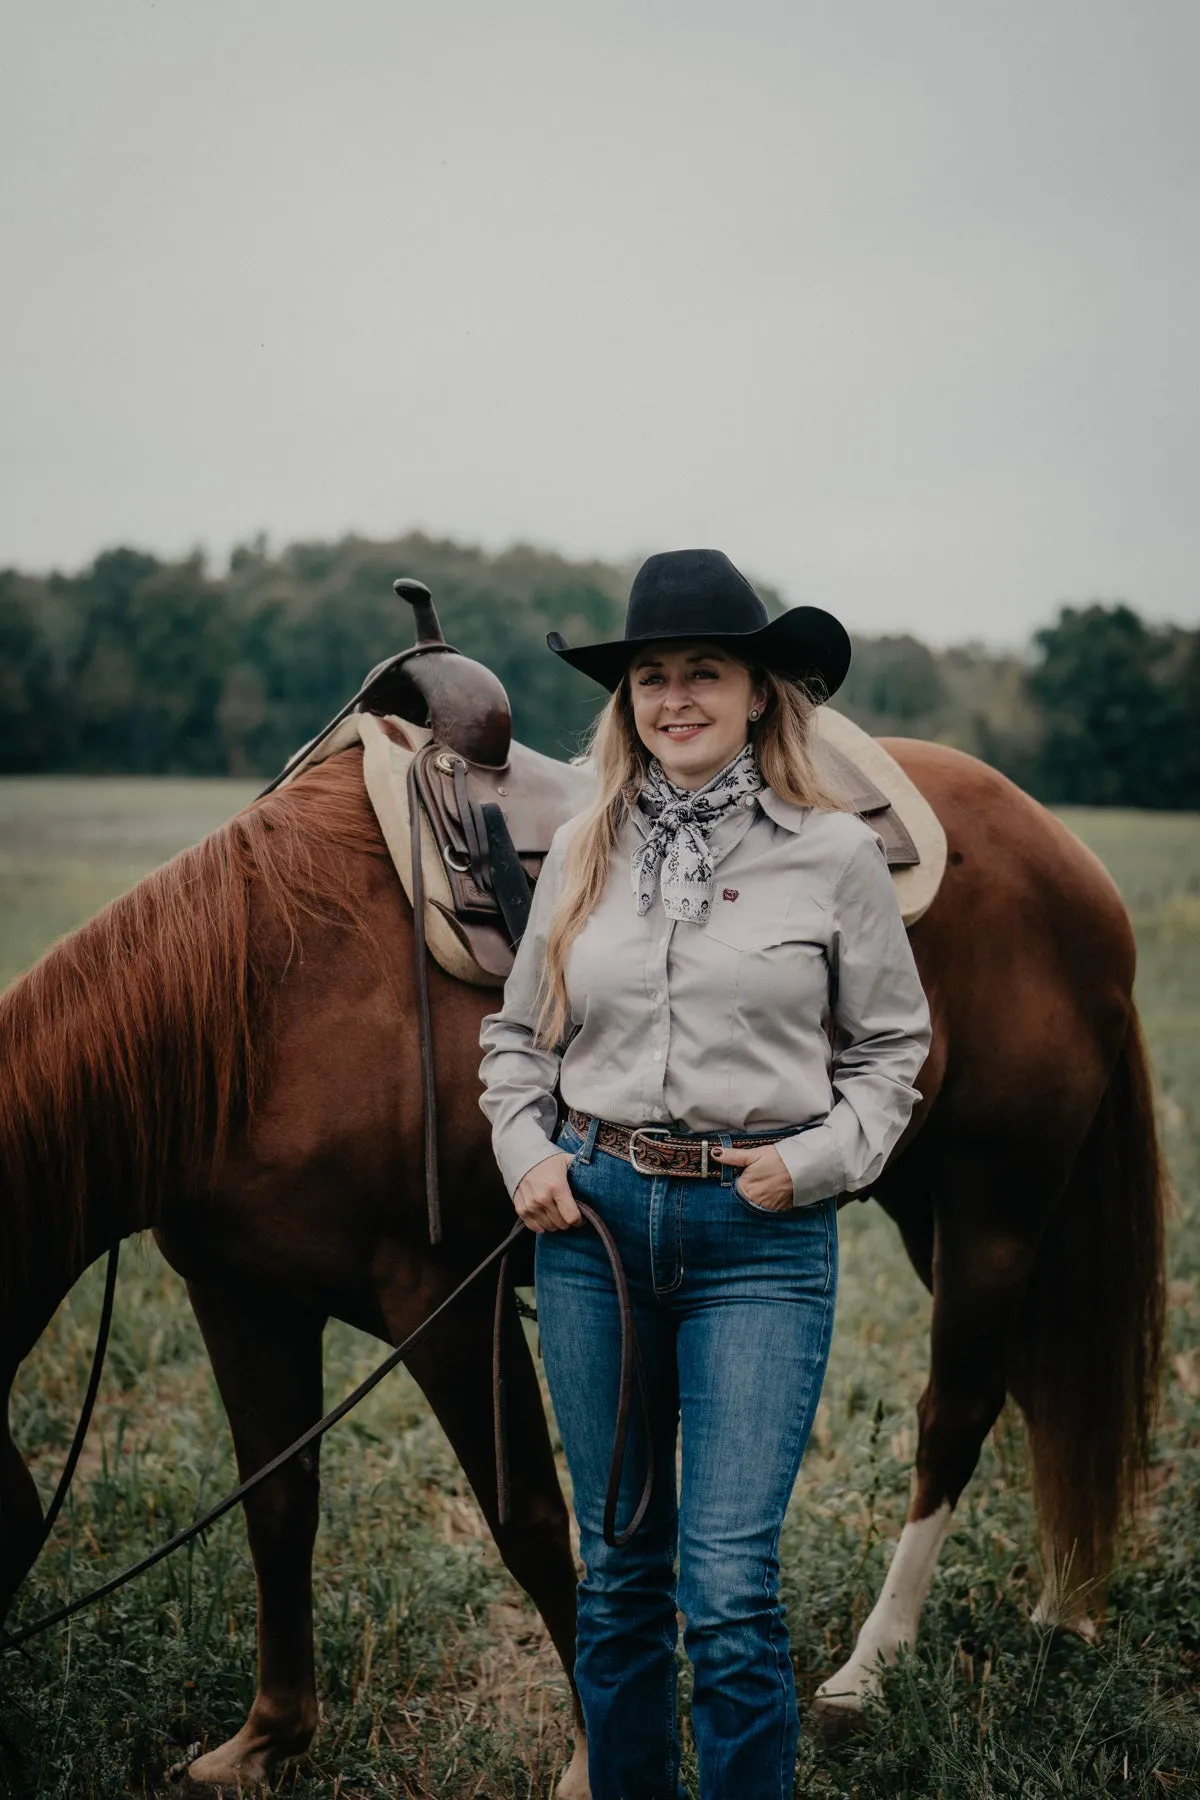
(144, 666)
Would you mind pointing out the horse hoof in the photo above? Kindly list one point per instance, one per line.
(837, 1715)
(186, 1789)
(1051, 1615)
(180, 1785)
(217, 1776)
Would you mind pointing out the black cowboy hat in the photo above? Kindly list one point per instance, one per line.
(699, 594)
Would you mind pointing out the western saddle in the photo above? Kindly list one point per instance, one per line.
(493, 804)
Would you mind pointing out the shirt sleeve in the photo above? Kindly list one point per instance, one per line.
(881, 1036)
(519, 1080)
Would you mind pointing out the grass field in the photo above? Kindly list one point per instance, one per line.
(435, 1676)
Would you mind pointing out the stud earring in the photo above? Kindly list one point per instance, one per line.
(753, 713)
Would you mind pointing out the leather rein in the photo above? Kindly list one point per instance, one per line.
(632, 1372)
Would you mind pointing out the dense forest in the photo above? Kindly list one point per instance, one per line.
(144, 666)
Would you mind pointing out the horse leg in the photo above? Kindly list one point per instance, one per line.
(455, 1374)
(266, 1356)
(988, 1217)
(20, 1515)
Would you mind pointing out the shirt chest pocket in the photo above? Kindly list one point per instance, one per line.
(752, 922)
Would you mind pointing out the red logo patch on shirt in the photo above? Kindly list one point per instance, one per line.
(729, 893)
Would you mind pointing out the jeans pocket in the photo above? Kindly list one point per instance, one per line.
(765, 1212)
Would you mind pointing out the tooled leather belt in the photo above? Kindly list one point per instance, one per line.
(652, 1149)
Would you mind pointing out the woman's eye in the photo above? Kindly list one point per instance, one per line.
(652, 676)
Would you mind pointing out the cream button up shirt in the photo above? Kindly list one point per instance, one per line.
(798, 1004)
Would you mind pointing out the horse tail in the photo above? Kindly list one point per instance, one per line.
(1087, 1350)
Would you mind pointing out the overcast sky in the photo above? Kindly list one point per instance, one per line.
(893, 300)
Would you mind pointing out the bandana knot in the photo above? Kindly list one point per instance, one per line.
(676, 851)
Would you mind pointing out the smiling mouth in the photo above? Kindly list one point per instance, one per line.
(679, 730)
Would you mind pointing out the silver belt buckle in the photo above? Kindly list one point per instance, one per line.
(644, 1131)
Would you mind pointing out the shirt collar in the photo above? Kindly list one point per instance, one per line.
(780, 812)
(783, 812)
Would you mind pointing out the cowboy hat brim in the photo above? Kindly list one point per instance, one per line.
(805, 643)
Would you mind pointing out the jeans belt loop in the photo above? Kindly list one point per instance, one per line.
(588, 1147)
(729, 1174)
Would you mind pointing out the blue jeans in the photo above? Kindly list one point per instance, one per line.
(734, 1309)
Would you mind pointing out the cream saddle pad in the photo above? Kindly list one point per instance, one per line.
(917, 881)
(389, 745)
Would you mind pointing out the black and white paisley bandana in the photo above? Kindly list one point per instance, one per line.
(682, 819)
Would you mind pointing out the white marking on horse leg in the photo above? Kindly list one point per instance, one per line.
(893, 1619)
(574, 1784)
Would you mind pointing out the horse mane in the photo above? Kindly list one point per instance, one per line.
(132, 1049)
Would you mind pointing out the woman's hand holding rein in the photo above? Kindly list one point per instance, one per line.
(544, 1199)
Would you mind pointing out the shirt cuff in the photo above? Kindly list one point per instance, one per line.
(525, 1145)
(813, 1159)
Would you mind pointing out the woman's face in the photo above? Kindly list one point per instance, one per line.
(691, 706)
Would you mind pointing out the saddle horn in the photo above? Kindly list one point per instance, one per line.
(425, 619)
(433, 684)
(462, 701)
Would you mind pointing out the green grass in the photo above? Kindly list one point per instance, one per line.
(435, 1675)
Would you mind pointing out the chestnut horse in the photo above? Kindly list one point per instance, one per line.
(228, 1055)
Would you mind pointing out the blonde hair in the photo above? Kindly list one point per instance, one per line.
(782, 750)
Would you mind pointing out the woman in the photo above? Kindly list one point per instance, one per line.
(716, 977)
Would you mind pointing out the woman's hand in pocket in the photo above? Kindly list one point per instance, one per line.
(544, 1199)
(764, 1180)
